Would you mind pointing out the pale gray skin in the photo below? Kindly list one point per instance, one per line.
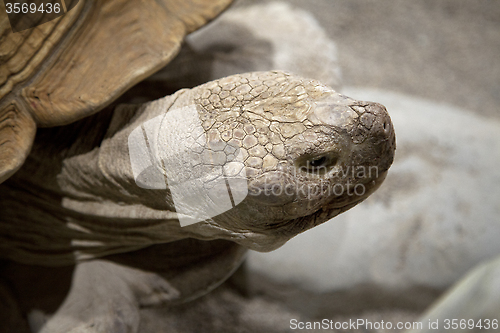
(83, 202)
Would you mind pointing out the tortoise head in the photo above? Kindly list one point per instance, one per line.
(264, 156)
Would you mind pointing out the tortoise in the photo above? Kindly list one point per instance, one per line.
(157, 202)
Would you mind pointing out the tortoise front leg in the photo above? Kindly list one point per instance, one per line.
(105, 297)
(106, 294)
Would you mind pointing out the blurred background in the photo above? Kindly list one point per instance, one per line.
(435, 65)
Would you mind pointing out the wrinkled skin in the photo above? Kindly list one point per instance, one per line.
(325, 151)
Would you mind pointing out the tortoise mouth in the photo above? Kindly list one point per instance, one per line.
(282, 232)
(288, 229)
(291, 228)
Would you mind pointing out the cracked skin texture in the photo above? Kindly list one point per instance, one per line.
(294, 133)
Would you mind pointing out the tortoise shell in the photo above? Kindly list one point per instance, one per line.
(75, 65)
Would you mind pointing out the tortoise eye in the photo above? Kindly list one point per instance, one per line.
(317, 162)
(318, 165)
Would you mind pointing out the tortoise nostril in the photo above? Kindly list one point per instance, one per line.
(388, 127)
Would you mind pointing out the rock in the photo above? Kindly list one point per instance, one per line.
(255, 38)
(474, 303)
(225, 310)
(434, 218)
(269, 36)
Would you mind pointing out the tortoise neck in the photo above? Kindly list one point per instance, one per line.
(104, 174)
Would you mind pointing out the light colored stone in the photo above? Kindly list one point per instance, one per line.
(274, 35)
(475, 300)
